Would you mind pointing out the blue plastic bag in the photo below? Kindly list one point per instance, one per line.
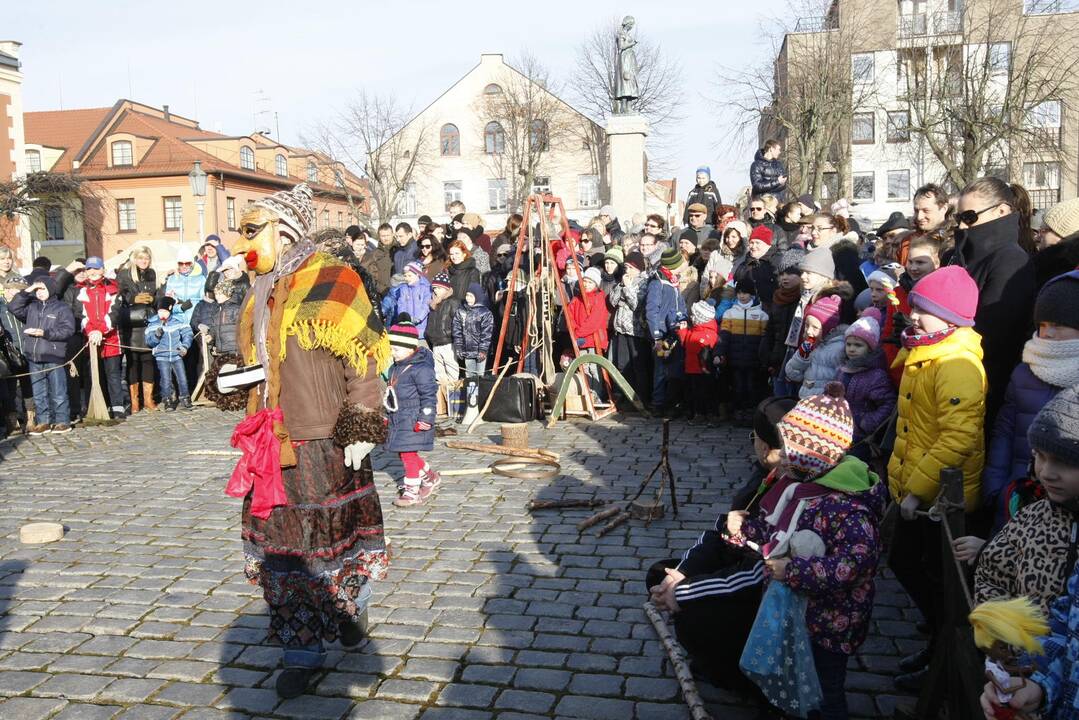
(778, 656)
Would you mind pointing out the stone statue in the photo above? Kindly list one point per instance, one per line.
(625, 82)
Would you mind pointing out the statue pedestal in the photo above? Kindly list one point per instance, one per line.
(628, 171)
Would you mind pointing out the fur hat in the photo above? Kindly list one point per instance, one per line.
(820, 261)
(826, 310)
(1055, 430)
(1063, 218)
(866, 328)
(1058, 301)
(948, 293)
(404, 333)
(701, 312)
(818, 431)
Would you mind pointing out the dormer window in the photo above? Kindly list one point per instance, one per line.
(33, 161)
(281, 166)
(247, 158)
(122, 154)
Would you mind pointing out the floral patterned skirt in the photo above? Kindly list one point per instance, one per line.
(314, 556)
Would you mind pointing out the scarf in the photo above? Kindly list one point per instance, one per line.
(866, 362)
(1055, 362)
(786, 297)
(911, 339)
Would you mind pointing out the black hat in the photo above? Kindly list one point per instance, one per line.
(767, 416)
(895, 221)
(423, 220)
(164, 303)
(353, 231)
(1058, 301)
(746, 285)
(636, 259)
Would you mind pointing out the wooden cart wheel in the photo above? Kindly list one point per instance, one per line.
(545, 469)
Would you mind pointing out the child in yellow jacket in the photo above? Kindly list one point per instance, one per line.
(940, 425)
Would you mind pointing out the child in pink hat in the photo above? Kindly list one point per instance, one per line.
(870, 392)
(821, 350)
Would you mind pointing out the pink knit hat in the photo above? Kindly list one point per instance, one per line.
(866, 328)
(827, 311)
(949, 293)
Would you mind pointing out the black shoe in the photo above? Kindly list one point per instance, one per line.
(354, 631)
(170, 405)
(912, 682)
(293, 681)
(915, 662)
(186, 403)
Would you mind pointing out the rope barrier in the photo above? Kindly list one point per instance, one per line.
(75, 357)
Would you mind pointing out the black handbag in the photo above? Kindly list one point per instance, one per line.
(516, 400)
(13, 357)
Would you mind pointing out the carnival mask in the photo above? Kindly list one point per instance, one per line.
(260, 242)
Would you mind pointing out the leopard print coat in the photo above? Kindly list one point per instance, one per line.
(1028, 556)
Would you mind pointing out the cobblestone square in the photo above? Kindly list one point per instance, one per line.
(142, 610)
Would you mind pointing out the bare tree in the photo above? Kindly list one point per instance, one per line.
(659, 83)
(526, 125)
(805, 94)
(995, 95)
(373, 135)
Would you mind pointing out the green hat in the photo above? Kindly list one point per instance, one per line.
(672, 259)
(615, 254)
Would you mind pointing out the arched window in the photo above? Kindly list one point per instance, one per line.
(33, 161)
(247, 158)
(538, 136)
(121, 153)
(281, 166)
(493, 89)
(449, 140)
(494, 139)
(312, 171)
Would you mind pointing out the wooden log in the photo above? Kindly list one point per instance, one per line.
(537, 453)
(617, 520)
(598, 518)
(677, 655)
(558, 504)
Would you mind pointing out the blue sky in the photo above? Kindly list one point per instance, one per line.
(212, 63)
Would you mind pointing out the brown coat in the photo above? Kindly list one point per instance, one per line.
(380, 265)
(434, 268)
(314, 387)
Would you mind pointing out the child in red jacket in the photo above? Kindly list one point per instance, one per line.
(589, 314)
(699, 342)
(891, 299)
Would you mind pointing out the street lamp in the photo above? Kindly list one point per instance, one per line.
(198, 188)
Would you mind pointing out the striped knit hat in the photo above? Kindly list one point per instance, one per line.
(817, 432)
(404, 333)
(442, 280)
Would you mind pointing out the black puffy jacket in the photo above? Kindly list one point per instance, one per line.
(708, 196)
(440, 322)
(764, 176)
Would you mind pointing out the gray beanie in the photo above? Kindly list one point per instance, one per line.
(789, 260)
(820, 261)
(1055, 430)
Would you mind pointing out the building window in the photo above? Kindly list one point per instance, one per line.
(899, 127)
(999, 58)
(1041, 175)
(247, 158)
(863, 185)
(862, 130)
(449, 141)
(174, 211)
(494, 139)
(899, 185)
(587, 191)
(1044, 120)
(541, 185)
(340, 218)
(54, 223)
(862, 68)
(451, 192)
(281, 166)
(325, 218)
(406, 201)
(230, 213)
(121, 153)
(497, 193)
(312, 171)
(538, 136)
(33, 161)
(493, 89)
(125, 214)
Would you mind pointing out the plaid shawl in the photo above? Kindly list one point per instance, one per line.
(327, 307)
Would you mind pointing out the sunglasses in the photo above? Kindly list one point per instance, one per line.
(969, 217)
(425, 246)
(818, 228)
(250, 230)
(757, 209)
(502, 254)
(185, 263)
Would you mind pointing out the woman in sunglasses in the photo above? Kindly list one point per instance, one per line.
(987, 246)
(431, 255)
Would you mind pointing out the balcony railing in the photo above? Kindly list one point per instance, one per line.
(913, 25)
(948, 22)
(1044, 198)
(816, 24)
(921, 24)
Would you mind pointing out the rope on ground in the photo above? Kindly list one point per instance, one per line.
(677, 655)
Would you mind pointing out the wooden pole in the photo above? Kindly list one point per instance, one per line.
(597, 518)
(536, 453)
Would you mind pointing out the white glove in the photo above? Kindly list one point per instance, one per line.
(356, 452)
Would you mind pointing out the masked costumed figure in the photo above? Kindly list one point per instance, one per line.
(312, 522)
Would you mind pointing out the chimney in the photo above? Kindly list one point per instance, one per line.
(168, 118)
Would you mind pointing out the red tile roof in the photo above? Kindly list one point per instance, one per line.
(66, 129)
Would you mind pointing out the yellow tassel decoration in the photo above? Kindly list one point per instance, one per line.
(1018, 623)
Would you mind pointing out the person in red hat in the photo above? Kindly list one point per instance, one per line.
(940, 425)
(756, 267)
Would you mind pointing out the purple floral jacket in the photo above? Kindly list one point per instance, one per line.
(839, 585)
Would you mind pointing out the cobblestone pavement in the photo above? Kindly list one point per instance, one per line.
(142, 610)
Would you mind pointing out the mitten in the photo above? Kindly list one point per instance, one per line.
(160, 332)
(805, 348)
(421, 426)
(144, 298)
(185, 305)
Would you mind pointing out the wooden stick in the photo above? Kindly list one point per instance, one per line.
(478, 471)
(597, 518)
(556, 504)
(490, 399)
(538, 454)
(677, 656)
(618, 519)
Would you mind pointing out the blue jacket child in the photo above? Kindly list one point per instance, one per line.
(52, 316)
(168, 338)
(412, 296)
